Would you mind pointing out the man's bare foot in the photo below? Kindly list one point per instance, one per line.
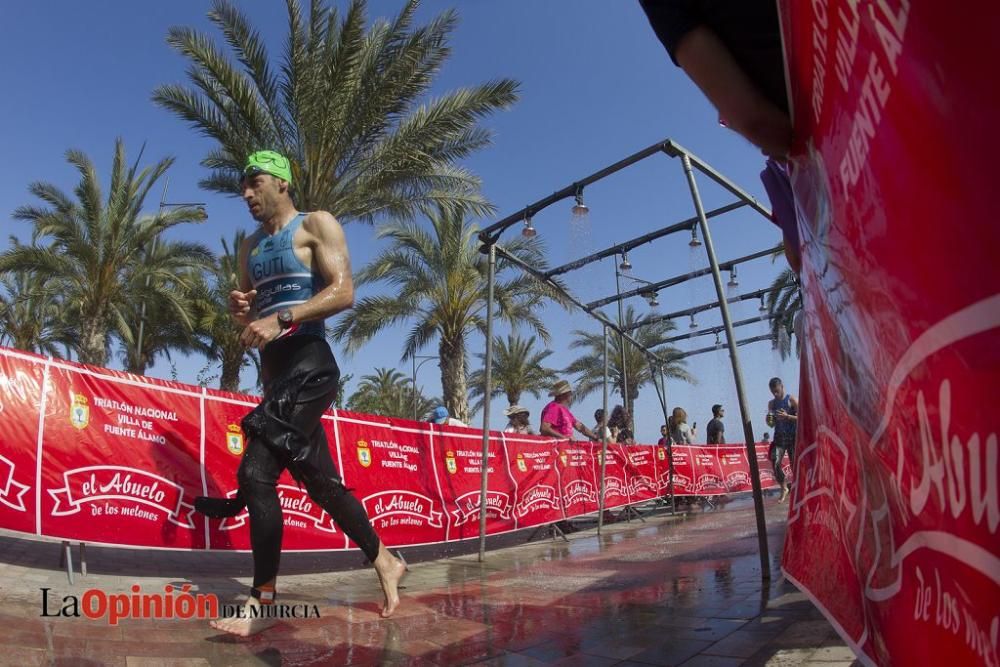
(389, 570)
(249, 622)
(784, 494)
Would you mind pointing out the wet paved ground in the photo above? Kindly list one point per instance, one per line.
(682, 590)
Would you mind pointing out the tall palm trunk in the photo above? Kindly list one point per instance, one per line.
(453, 383)
(93, 341)
(229, 380)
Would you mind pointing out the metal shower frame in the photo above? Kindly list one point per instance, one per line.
(489, 237)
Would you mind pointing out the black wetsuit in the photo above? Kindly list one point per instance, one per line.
(300, 378)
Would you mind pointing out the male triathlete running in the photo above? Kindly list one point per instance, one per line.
(294, 273)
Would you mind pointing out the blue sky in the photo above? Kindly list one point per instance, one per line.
(596, 86)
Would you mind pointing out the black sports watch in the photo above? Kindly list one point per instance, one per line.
(285, 320)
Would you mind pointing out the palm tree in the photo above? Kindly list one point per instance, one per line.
(436, 279)
(161, 318)
(220, 336)
(590, 366)
(29, 314)
(389, 393)
(342, 105)
(784, 306)
(96, 253)
(517, 369)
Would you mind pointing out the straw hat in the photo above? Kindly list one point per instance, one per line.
(560, 388)
(516, 410)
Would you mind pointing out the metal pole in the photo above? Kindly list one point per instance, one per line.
(604, 437)
(670, 447)
(621, 341)
(758, 500)
(487, 391)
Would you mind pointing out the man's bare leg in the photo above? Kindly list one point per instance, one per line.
(389, 570)
(252, 620)
(784, 492)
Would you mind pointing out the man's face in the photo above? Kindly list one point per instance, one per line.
(778, 391)
(521, 418)
(722, 413)
(262, 192)
(663, 430)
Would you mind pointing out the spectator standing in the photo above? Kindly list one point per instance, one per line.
(619, 425)
(601, 426)
(680, 432)
(664, 436)
(557, 420)
(716, 430)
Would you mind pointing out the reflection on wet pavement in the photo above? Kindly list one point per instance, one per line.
(674, 590)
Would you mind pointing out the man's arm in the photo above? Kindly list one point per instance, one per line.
(331, 260)
(795, 406)
(712, 67)
(241, 300)
(579, 426)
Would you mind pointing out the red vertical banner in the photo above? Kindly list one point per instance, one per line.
(640, 472)
(120, 460)
(532, 464)
(389, 467)
(577, 481)
(459, 455)
(615, 486)
(896, 504)
(21, 380)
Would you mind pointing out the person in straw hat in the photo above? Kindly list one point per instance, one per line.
(518, 420)
(557, 420)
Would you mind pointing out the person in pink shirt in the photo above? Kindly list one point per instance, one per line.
(557, 420)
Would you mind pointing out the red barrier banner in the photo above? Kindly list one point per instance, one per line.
(615, 486)
(118, 465)
(577, 481)
(640, 472)
(119, 460)
(683, 480)
(21, 379)
(458, 453)
(386, 463)
(894, 515)
(532, 465)
(709, 479)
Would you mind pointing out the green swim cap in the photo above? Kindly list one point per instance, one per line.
(269, 162)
